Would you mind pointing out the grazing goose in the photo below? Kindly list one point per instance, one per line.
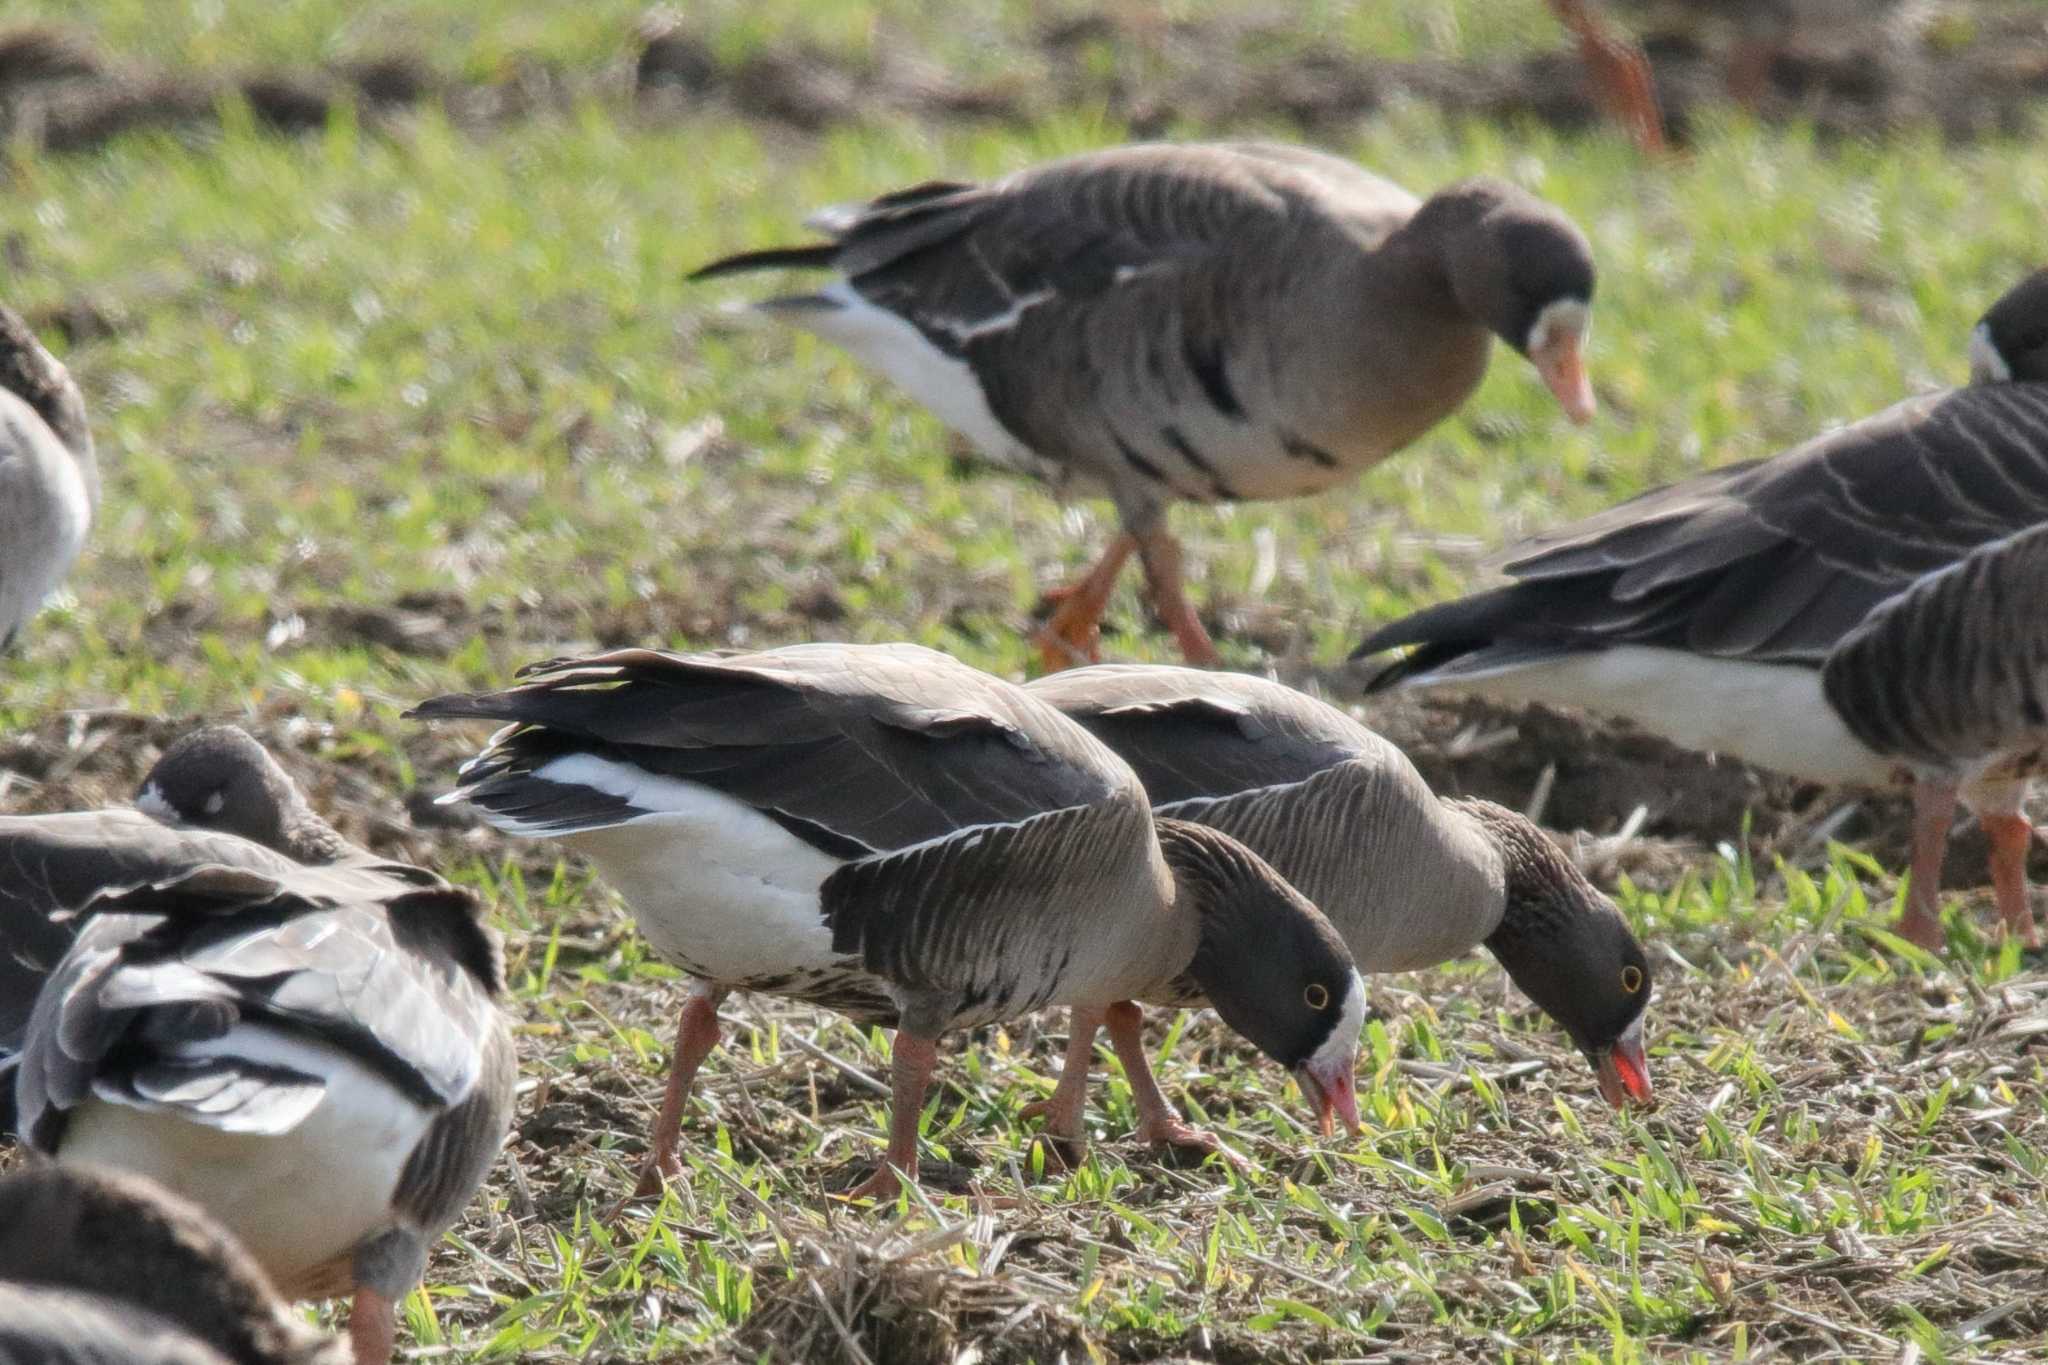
(49, 477)
(1704, 611)
(312, 1053)
(98, 1267)
(1950, 678)
(887, 832)
(1159, 323)
(1408, 878)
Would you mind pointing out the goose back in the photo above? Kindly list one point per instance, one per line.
(1336, 809)
(49, 477)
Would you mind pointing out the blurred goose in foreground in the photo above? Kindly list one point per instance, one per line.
(313, 1053)
(884, 831)
(1163, 323)
(1950, 678)
(1705, 611)
(49, 477)
(99, 1267)
(1408, 878)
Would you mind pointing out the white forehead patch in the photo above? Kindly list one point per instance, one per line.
(1560, 317)
(1343, 1040)
(1987, 366)
(150, 801)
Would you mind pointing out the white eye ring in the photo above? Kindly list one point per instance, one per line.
(1316, 996)
(1631, 978)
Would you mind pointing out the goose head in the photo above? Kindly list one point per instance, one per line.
(2010, 342)
(40, 380)
(219, 778)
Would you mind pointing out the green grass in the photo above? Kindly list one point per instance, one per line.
(433, 374)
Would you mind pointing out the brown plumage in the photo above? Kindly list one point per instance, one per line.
(883, 830)
(1160, 323)
(1409, 879)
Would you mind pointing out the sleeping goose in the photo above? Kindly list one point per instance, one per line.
(218, 777)
(887, 832)
(97, 1267)
(1950, 678)
(1705, 611)
(312, 1053)
(1408, 878)
(49, 477)
(1206, 322)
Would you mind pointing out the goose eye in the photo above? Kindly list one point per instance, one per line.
(1631, 978)
(1316, 996)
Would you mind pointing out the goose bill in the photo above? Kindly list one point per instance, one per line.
(1557, 359)
(1624, 1069)
(1332, 1092)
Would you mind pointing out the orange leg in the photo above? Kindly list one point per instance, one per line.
(2010, 834)
(910, 1073)
(1160, 554)
(1622, 83)
(1934, 809)
(1074, 634)
(1063, 1111)
(372, 1327)
(1159, 1123)
(696, 1036)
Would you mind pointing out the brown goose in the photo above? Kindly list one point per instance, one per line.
(1950, 679)
(218, 777)
(1704, 611)
(49, 477)
(1408, 878)
(1160, 323)
(313, 1053)
(99, 1267)
(887, 832)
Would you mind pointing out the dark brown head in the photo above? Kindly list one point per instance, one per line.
(1271, 965)
(219, 778)
(1521, 268)
(121, 1238)
(2010, 343)
(1569, 949)
(34, 376)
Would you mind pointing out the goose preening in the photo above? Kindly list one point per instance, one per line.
(1163, 323)
(49, 477)
(98, 1266)
(1408, 878)
(313, 1052)
(884, 831)
(1705, 611)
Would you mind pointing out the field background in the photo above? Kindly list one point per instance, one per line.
(397, 385)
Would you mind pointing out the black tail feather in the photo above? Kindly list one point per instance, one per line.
(820, 256)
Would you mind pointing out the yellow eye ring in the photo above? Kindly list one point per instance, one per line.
(1631, 978)
(1316, 996)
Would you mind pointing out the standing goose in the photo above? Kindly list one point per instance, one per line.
(1159, 323)
(884, 831)
(312, 1053)
(49, 477)
(1408, 878)
(97, 1266)
(1705, 611)
(1950, 678)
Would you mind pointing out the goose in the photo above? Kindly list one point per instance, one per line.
(313, 1053)
(98, 1266)
(49, 476)
(1408, 878)
(1191, 322)
(887, 832)
(1949, 678)
(1706, 610)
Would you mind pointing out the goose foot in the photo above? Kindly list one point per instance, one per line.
(1073, 635)
(1623, 85)
(697, 1033)
(910, 1072)
(1934, 808)
(2010, 834)
(1161, 556)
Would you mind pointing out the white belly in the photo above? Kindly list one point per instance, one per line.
(1771, 715)
(297, 1200)
(717, 888)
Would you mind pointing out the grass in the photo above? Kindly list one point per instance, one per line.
(388, 412)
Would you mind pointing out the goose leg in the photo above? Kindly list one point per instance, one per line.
(697, 1034)
(1159, 1123)
(1063, 1111)
(372, 1327)
(1622, 83)
(1074, 634)
(1934, 808)
(910, 1072)
(1160, 554)
(2001, 808)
